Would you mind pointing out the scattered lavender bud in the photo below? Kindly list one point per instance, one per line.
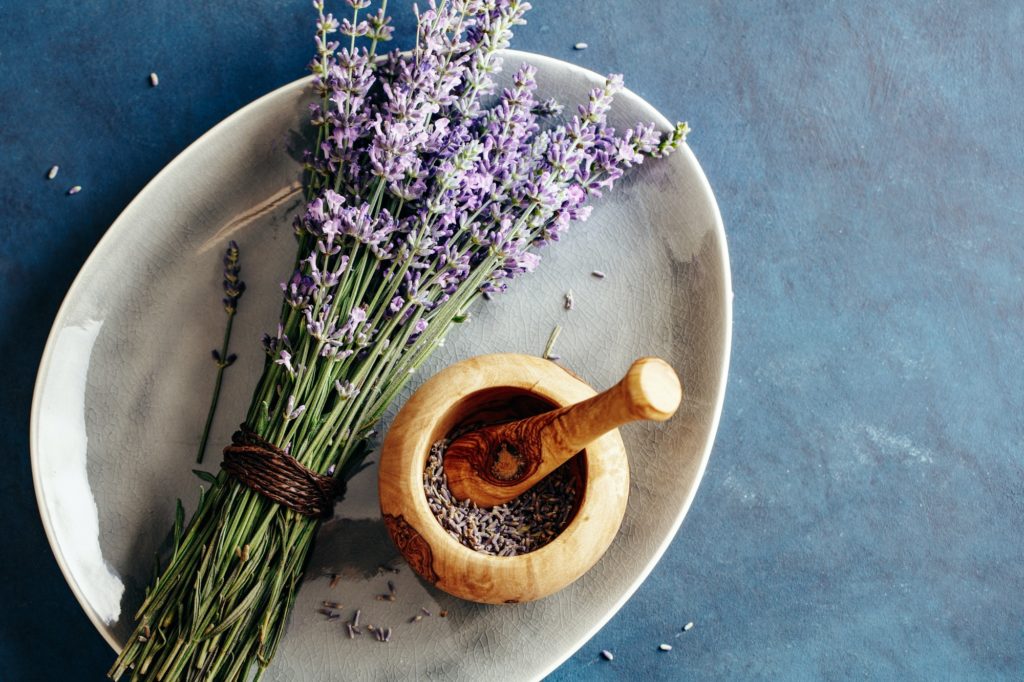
(53, 172)
(580, 46)
(688, 627)
(325, 612)
(570, 301)
(391, 587)
(387, 637)
(425, 612)
(75, 190)
(351, 631)
(417, 618)
(607, 655)
(665, 647)
(331, 605)
(598, 274)
(154, 80)
(554, 356)
(355, 618)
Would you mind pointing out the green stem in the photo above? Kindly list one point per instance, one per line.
(222, 364)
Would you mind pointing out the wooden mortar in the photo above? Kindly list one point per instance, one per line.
(482, 389)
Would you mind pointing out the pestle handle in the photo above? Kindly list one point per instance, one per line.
(650, 390)
(500, 462)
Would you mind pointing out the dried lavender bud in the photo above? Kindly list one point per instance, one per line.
(665, 647)
(331, 605)
(607, 655)
(598, 274)
(154, 80)
(688, 627)
(521, 525)
(75, 190)
(52, 173)
(580, 46)
(570, 300)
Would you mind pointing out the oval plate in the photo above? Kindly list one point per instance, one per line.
(125, 378)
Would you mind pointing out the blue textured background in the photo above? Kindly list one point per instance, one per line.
(862, 512)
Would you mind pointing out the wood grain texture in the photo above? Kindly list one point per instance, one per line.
(499, 462)
(489, 386)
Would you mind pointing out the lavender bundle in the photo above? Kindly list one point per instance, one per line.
(425, 190)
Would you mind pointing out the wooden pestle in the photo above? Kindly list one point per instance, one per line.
(497, 463)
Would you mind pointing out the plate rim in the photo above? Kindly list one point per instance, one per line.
(119, 225)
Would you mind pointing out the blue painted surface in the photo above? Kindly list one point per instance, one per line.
(863, 512)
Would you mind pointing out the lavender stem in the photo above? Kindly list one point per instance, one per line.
(221, 366)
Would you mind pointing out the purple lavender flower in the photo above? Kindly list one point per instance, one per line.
(422, 194)
(291, 411)
(284, 358)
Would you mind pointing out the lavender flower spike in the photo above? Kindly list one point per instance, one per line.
(233, 287)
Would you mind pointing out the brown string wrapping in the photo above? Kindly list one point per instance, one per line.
(278, 476)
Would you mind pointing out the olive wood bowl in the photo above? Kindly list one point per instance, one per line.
(484, 389)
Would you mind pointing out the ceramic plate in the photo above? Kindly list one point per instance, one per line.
(125, 378)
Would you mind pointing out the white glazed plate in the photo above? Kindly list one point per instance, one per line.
(125, 378)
